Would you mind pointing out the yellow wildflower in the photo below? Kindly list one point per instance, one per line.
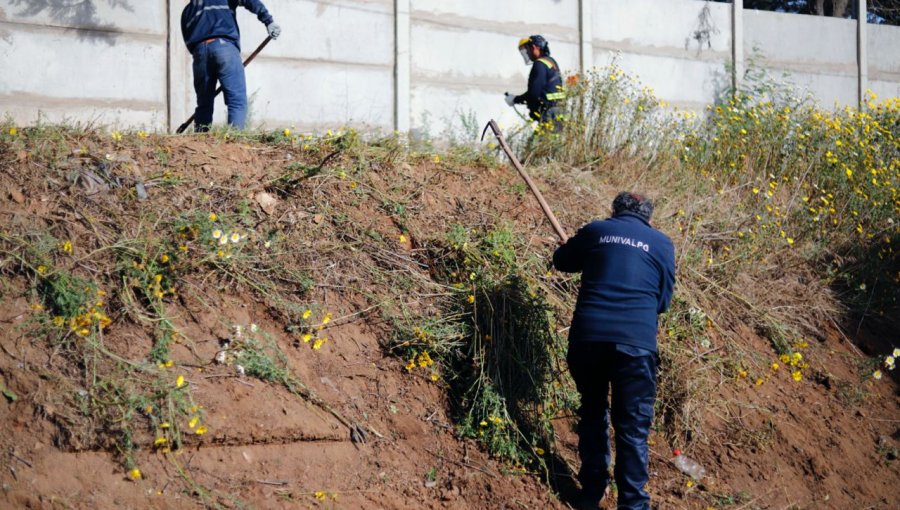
(318, 343)
(774, 366)
(66, 247)
(326, 319)
(42, 269)
(193, 422)
(402, 238)
(286, 132)
(797, 375)
(13, 131)
(471, 298)
(307, 337)
(538, 450)
(135, 474)
(213, 216)
(164, 259)
(179, 381)
(201, 430)
(435, 377)
(160, 441)
(306, 314)
(164, 425)
(320, 495)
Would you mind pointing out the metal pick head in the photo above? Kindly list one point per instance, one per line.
(493, 126)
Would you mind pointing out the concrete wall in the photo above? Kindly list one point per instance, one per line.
(419, 65)
(818, 53)
(679, 48)
(884, 60)
(83, 61)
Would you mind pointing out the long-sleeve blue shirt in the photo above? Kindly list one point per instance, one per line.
(208, 19)
(628, 277)
(543, 80)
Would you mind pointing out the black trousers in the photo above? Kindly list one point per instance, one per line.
(597, 368)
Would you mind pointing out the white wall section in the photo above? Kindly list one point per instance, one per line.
(415, 65)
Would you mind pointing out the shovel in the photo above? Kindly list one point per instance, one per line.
(219, 90)
(537, 194)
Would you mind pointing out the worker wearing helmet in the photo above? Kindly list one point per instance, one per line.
(545, 87)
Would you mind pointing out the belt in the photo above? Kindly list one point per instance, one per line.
(208, 40)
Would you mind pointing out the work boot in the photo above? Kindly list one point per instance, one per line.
(591, 499)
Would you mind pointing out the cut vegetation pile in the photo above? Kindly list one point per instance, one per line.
(266, 319)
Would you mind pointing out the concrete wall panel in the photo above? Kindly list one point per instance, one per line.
(358, 32)
(310, 95)
(884, 60)
(99, 20)
(120, 84)
(679, 48)
(815, 51)
(666, 24)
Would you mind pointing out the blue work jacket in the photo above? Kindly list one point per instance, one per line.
(217, 19)
(628, 277)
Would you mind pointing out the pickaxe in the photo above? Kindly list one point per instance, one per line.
(253, 55)
(537, 194)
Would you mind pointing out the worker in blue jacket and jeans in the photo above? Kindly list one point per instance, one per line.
(628, 276)
(211, 33)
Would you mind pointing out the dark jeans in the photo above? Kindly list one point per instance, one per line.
(219, 61)
(631, 373)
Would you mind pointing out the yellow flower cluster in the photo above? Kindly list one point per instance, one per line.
(92, 318)
(422, 359)
(310, 333)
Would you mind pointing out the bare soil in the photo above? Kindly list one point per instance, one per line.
(828, 441)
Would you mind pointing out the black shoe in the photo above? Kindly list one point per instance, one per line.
(590, 500)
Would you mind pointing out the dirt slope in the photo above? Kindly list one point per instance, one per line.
(825, 442)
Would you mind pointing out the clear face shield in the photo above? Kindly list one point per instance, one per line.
(525, 56)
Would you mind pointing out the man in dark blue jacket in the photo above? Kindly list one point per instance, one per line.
(545, 88)
(211, 33)
(628, 276)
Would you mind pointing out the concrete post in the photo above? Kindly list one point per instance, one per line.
(178, 80)
(401, 66)
(861, 53)
(737, 43)
(586, 43)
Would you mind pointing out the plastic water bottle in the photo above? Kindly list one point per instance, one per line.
(688, 466)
